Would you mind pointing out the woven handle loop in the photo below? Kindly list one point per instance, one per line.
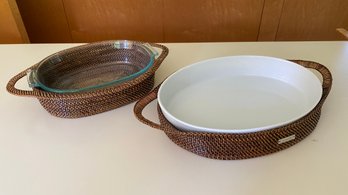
(141, 104)
(325, 73)
(12, 89)
(161, 57)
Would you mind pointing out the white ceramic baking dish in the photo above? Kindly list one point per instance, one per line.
(238, 94)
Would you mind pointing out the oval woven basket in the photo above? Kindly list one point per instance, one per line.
(86, 103)
(233, 146)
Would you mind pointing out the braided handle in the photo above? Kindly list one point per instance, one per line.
(13, 90)
(161, 57)
(141, 104)
(325, 73)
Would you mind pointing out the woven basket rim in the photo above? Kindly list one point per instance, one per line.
(326, 86)
(39, 93)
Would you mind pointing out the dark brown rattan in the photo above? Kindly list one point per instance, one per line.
(81, 104)
(232, 146)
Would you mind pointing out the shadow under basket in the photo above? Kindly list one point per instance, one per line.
(233, 146)
(86, 103)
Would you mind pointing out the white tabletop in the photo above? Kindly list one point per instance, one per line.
(113, 153)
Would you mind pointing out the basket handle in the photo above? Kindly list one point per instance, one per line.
(161, 57)
(13, 90)
(142, 103)
(325, 73)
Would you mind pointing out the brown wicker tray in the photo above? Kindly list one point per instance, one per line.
(86, 103)
(232, 146)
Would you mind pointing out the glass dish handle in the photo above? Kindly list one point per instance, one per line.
(152, 50)
(32, 78)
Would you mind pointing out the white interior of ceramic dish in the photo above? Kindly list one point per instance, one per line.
(238, 94)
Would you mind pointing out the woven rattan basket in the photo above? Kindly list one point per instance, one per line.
(86, 103)
(231, 146)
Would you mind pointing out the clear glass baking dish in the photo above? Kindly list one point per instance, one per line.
(92, 66)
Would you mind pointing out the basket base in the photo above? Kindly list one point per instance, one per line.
(98, 102)
(227, 146)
